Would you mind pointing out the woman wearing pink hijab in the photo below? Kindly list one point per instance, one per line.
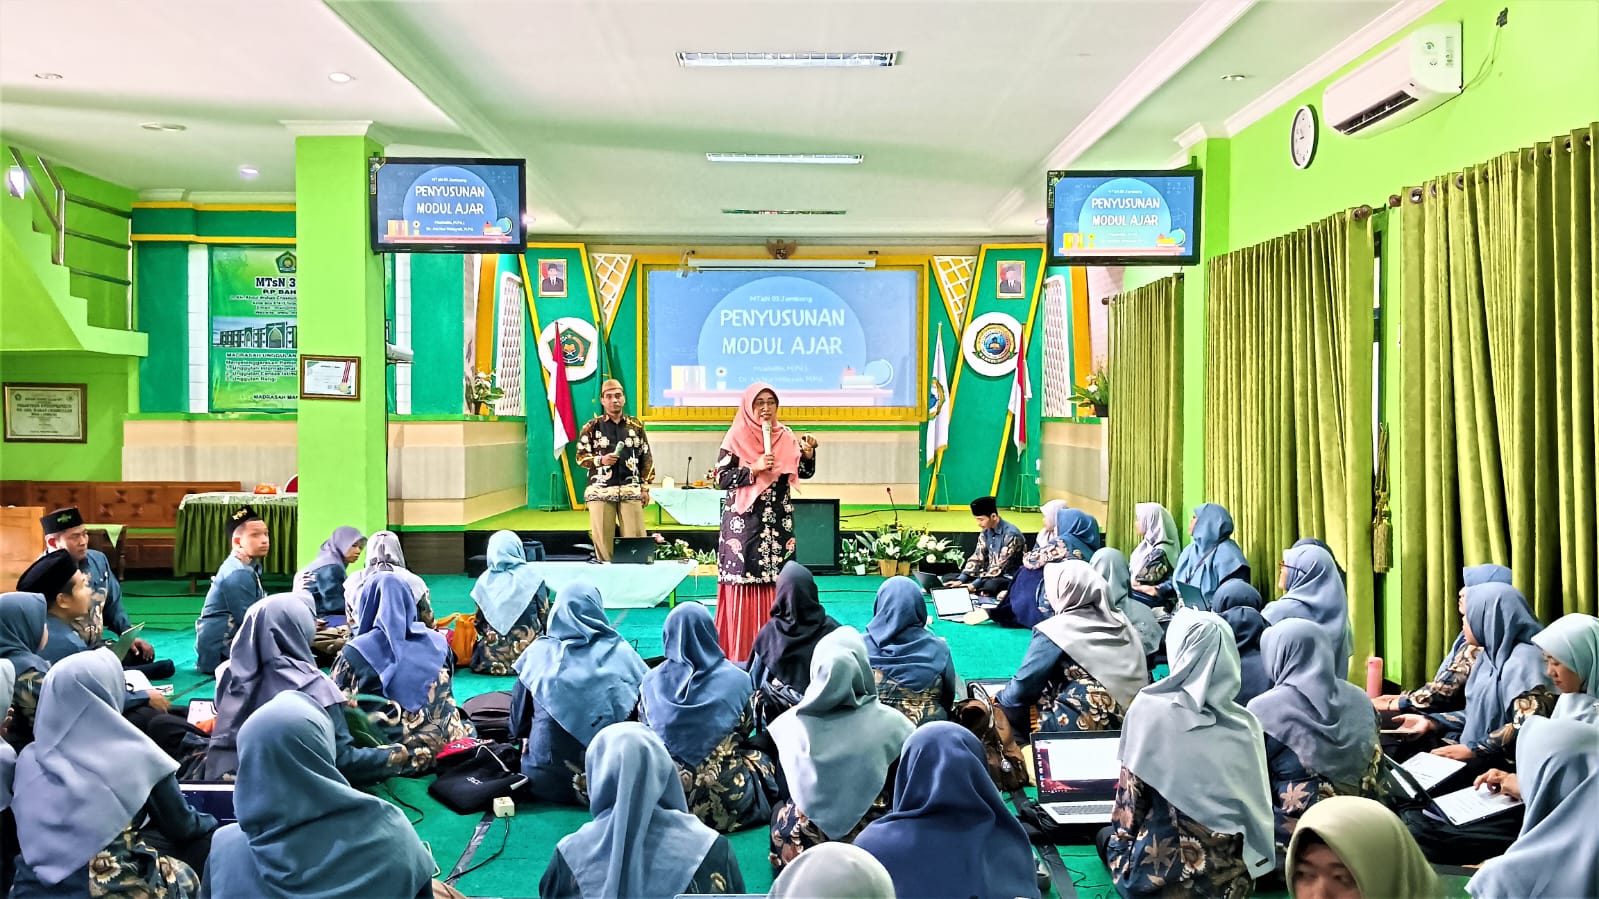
(760, 459)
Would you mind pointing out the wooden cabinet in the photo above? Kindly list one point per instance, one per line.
(21, 541)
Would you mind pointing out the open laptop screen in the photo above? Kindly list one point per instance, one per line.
(1079, 767)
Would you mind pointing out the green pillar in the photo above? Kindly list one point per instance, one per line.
(1213, 156)
(343, 443)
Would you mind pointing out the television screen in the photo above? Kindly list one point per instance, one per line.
(1123, 218)
(447, 205)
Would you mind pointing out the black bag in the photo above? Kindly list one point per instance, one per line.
(468, 782)
(490, 713)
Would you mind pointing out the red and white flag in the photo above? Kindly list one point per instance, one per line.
(1021, 391)
(562, 422)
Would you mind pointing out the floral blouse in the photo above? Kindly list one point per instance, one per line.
(920, 706)
(1295, 788)
(734, 787)
(999, 553)
(423, 732)
(1540, 701)
(1066, 696)
(1156, 850)
(1054, 551)
(635, 466)
(1447, 691)
(496, 653)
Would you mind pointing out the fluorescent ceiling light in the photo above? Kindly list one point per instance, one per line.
(877, 59)
(340, 77)
(788, 158)
(782, 212)
(163, 126)
(1234, 77)
(752, 264)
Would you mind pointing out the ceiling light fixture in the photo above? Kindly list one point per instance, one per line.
(48, 76)
(1234, 77)
(788, 158)
(782, 212)
(163, 126)
(340, 77)
(17, 181)
(878, 59)
(1041, 221)
(248, 171)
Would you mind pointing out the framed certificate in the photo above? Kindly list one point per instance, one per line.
(46, 413)
(330, 377)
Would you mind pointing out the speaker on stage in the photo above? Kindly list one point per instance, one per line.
(816, 534)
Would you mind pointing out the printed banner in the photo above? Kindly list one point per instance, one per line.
(253, 330)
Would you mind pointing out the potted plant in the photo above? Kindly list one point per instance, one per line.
(887, 546)
(855, 554)
(483, 393)
(1095, 393)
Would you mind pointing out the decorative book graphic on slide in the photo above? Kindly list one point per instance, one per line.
(822, 338)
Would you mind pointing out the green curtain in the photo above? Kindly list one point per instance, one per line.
(1498, 331)
(1288, 439)
(203, 538)
(1146, 432)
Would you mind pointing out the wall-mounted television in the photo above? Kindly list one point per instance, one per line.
(444, 205)
(1132, 217)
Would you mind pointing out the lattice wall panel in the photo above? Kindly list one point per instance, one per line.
(1057, 349)
(610, 279)
(955, 276)
(508, 346)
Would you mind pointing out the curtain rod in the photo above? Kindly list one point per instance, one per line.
(1417, 194)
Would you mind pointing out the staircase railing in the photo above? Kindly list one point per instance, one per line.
(56, 204)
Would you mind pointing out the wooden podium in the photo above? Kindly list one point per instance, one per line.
(21, 541)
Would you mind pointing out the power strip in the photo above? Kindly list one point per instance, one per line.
(504, 807)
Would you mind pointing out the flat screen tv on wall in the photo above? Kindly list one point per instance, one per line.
(1123, 217)
(444, 205)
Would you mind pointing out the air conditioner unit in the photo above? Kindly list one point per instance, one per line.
(1398, 85)
(739, 265)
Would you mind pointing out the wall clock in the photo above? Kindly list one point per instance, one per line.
(1302, 137)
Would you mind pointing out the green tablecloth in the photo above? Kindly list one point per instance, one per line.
(203, 540)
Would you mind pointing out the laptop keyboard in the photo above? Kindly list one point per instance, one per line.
(1080, 809)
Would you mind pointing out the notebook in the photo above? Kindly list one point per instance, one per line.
(952, 603)
(633, 551)
(1077, 775)
(1192, 597)
(125, 641)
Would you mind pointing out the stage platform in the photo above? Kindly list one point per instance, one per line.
(851, 518)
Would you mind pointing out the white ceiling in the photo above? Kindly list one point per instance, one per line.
(988, 95)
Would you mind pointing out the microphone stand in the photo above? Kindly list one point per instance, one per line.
(891, 507)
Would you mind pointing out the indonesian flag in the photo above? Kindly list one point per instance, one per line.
(1020, 392)
(938, 404)
(561, 419)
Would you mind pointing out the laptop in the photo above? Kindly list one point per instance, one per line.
(952, 603)
(634, 551)
(929, 582)
(1077, 774)
(1192, 597)
(212, 798)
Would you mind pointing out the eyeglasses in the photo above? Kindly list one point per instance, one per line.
(764, 402)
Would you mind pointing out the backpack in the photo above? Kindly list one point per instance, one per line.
(982, 717)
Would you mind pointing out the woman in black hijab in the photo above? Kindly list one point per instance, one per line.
(780, 663)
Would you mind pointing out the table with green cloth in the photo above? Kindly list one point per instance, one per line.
(203, 539)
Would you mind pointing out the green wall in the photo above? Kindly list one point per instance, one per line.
(438, 334)
(107, 302)
(110, 395)
(161, 289)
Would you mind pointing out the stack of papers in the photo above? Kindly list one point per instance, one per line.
(1473, 804)
(1430, 770)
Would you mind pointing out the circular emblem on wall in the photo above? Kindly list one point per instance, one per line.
(990, 343)
(578, 341)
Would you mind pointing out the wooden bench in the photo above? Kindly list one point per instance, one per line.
(148, 510)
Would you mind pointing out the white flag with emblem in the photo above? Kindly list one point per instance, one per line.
(937, 404)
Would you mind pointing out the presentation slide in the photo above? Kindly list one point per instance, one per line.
(448, 202)
(1101, 217)
(822, 338)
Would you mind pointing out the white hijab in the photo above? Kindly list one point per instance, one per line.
(1160, 536)
(1046, 531)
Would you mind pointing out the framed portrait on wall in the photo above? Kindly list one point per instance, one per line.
(330, 377)
(1012, 280)
(552, 278)
(46, 413)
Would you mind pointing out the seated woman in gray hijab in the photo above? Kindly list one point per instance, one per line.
(1321, 732)
(838, 749)
(24, 633)
(383, 555)
(394, 656)
(1557, 850)
(511, 601)
(1083, 666)
(698, 703)
(1314, 590)
(832, 870)
(643, 841)
(324, 578)
(97, 803)
(578, 678)
(1446, 692)
(271, 655)
(8, 766)
(1111, 565)
(303, 832)
(1193, 807)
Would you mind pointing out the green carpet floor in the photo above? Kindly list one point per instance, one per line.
(980, 651)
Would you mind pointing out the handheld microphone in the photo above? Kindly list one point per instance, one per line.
(688, 478)
(766, 436)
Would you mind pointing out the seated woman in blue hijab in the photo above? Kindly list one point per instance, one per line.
(1446, 692)
(24, 633)
(914, 669)
(580, 677)
(1212, 559)
(1083, 666)
(303, 831)
(838, 749)
(1076, 536)
(323, 579)
(511, 600)
(1238, 603)
(949, 833)
(97, 803)
(1193, 806)
(1508, 685)
(1321, 731)
(271, 655)
(698, 703)
(394, 656)
(643, 840)
(1314, 590)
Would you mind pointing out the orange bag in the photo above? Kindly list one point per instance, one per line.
(462, 627)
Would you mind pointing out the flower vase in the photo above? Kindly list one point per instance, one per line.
(1101, 410)
(860, 569)
(887, 567)
(904, 569)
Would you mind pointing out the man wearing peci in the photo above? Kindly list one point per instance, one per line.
(616, 451)
(998, 556)
(64, 529)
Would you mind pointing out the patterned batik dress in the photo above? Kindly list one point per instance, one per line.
(1295, 788)
(733, 788)
(750, 551)
(920, 706)
(423, 732)
(496, 653)
(1156, 850)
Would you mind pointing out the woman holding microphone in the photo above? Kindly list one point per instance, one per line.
(759, 460)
